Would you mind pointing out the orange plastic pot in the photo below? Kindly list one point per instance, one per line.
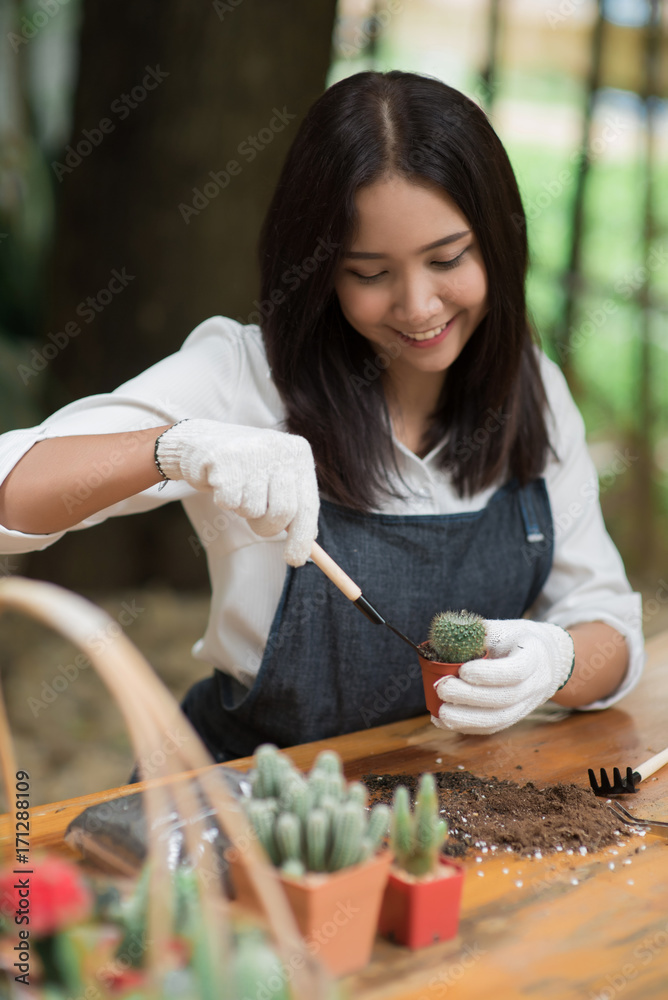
(337, 912)
(432, 671)
(418, 912)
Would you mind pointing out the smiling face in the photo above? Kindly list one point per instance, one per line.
(413, 278)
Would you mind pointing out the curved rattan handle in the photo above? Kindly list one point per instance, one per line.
(150, 712)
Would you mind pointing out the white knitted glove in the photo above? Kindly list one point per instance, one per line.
(266, 476)
(529, 661)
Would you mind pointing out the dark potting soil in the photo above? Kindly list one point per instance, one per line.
(488, 812)
(428, 653)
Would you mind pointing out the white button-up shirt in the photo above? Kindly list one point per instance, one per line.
(221, 373)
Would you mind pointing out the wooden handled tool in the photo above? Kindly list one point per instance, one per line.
(622, 786)
(352, 591)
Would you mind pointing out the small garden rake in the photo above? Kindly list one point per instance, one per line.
(629, 783)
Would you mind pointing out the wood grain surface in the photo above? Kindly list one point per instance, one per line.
(561, 927)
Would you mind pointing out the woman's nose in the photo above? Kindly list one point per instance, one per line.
(417, 302)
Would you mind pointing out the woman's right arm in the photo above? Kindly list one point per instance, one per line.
(61, 481)
(261, 474)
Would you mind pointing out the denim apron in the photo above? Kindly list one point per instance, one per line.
(326, 669)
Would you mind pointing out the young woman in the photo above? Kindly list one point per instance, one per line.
(393, 403)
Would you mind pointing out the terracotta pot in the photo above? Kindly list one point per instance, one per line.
(337, 912)
(432, 671)
(418, 912)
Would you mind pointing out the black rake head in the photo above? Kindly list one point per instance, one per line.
(619, 786)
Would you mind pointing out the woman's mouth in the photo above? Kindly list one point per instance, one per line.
(427, 338)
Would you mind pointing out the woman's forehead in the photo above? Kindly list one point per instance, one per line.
(395, 213)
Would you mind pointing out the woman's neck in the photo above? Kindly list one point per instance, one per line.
(412, 402)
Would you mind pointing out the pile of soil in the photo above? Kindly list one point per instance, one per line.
(428, 653)
(489, 814)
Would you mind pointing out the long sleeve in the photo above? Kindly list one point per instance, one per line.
(202, 379)
(587, 581)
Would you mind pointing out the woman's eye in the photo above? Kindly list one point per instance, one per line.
(445, 264)
(367, 279)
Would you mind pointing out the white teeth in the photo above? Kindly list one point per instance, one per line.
(428, 335)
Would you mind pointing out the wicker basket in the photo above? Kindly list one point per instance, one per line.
(150, 713)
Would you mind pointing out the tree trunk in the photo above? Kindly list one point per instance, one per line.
(174, 97)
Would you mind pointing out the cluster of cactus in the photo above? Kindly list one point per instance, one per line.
(417, 837)
(457, 636)
(253, 964)
(316, 822)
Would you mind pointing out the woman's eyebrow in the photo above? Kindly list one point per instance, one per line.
(452, 238)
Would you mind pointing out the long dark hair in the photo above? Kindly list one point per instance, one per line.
(492, 406)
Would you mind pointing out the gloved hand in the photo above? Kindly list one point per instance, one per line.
(528, 662)
(266, 476)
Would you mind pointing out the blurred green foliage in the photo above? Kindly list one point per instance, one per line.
(605, 353)
(26, 231)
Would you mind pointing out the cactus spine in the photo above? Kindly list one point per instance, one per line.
(315, 823)
(417, 837)
(457, 636)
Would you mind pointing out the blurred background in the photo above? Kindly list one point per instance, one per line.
(117, 122)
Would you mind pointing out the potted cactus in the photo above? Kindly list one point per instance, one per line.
(454, 638)
(318, 831)
(423, 893)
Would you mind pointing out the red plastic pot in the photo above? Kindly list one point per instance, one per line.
(416, 912)
(432, 671)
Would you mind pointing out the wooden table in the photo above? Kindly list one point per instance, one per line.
(588, 927)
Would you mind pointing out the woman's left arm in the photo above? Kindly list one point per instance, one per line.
(601, 662)
(581, 643)
(587, 591)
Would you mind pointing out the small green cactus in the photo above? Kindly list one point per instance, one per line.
(317, 823)
(262, 818)
(417, 837)
(254, 966)
(288, 834)
(457, 636)
(317, 836)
